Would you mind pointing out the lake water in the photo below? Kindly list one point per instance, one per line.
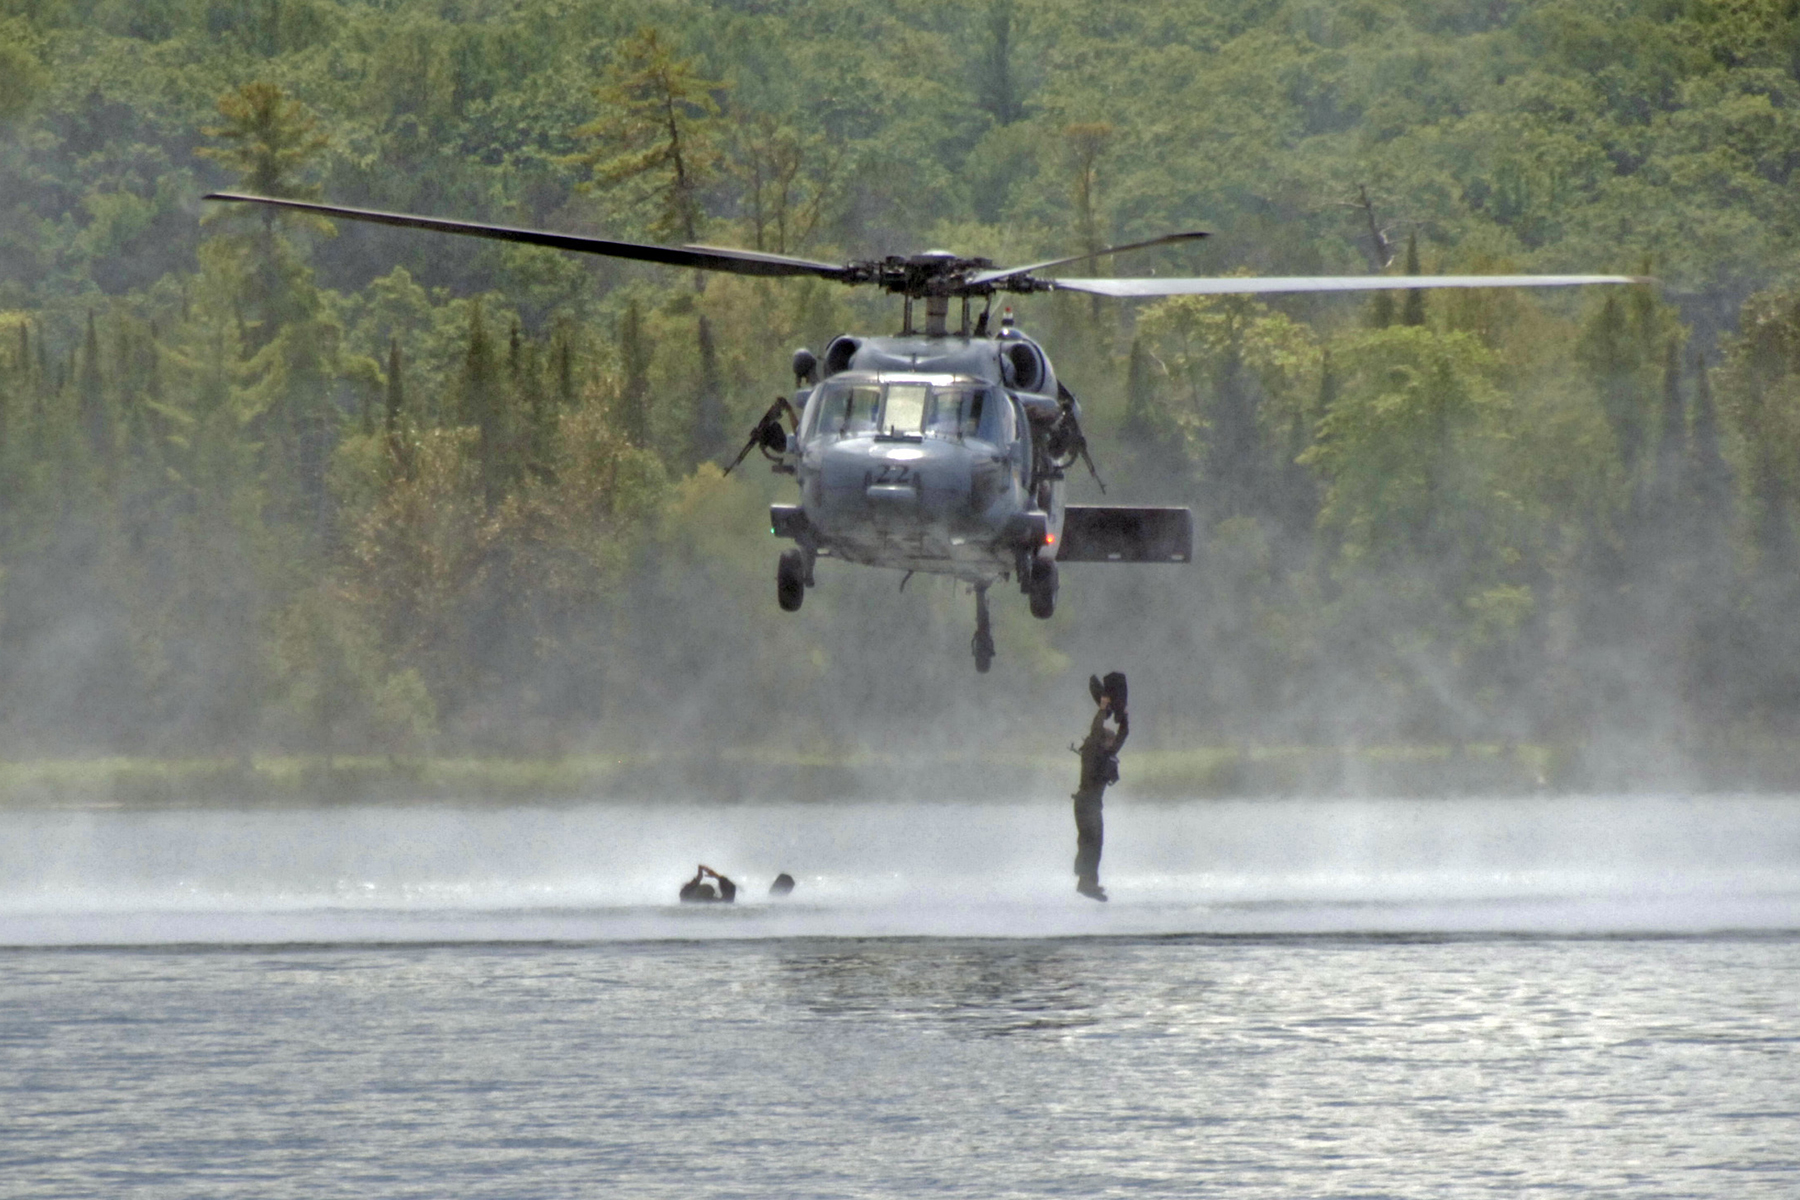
(1598, 996)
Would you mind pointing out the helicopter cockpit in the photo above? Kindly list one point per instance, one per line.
(911, 407)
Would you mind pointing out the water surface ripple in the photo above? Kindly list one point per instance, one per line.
(1497, 998)
(1180, 1066)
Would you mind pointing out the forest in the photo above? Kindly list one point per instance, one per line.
(274, 485)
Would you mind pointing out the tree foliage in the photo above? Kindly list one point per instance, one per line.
(657, 140)
(263, 482)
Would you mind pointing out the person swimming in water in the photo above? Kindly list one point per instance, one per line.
(699, 889)
(1099, 769)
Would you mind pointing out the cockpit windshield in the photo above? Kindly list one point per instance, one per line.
(905, 411)
(847, 409)
(954, 410)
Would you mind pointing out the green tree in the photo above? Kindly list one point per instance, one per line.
(1711, 491)
(484, 407)
(1086, 143)
(271, 141)
(1409, 453)
(90, 392)
(1243, 367)
(656, 142)
(1761, 392)
(22, 72)
(1412, 308)
(708, 440)
(788, 180)
(1669, 483)
(394, 410)
(997, 89)
(1149, 431)
(635, 353)
(1621, 350)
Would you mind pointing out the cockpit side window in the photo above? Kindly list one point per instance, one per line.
(956, 411)
(997, 425)
(843, 409)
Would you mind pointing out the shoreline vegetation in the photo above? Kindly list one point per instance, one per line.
(758, 777)
(274, 485)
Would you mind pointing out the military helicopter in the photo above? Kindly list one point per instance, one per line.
(940, 450)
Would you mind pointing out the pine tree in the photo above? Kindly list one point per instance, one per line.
(1412, 309)
(709, 404)
(1705, 525)
(634, 387)
(1233, 473)
(1381, 310)
(565, 369)
(1148, 432)
(394, 410)
(12, 383)
(270, 140)
(96, 423)
(153, 384)
(1710, 490)
(656, 144)
(484, 407)
(1613, 362)
(134, 358)
(997, 91)
(1672, 440)
(1086, 143)
(540, 409)
(1299, 495)
(1657, 500)
(1140, 395)
(1761, 371)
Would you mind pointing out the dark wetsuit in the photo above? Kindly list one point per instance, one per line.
(692, 891)
(1099, 767)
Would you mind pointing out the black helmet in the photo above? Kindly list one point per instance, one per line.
(1111, 686)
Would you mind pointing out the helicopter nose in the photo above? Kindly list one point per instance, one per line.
(902, 480)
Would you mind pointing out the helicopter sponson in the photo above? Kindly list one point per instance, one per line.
(946, 454)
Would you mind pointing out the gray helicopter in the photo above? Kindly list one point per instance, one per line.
(943, 450)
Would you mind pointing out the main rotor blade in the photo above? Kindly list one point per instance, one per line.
(702, 258)
(1168, 239)
(1232, 285)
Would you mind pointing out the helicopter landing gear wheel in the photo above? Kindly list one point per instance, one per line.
(790, 580)
(983, 642)
(1041, 587)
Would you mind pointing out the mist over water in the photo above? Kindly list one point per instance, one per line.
(439, 873)
(369, 1000)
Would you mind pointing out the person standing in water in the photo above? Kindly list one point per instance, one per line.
(1099, 768)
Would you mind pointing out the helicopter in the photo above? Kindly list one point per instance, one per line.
(942, 450)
